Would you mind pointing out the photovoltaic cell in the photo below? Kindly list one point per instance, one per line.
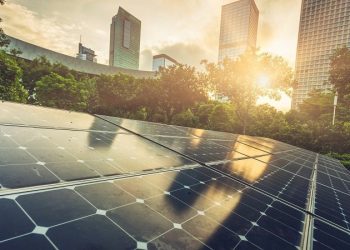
(210, 212)
(35, 156)
(19, 114)
(146, 128)
(115, 188)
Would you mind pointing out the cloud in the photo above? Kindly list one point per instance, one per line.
(278, 27)
(179, 27)
(146, 58)
(26, 25)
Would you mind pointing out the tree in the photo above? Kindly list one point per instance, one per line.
(11, 88)
(340, 72)
(318, 104)
(148, 97)
(116, 95)
(185, 118)
(61, 92)
(181, 87)
(241, 80)
(203, 113)
(221, 118)
(268, 122)
(34, 70)
(4, 41)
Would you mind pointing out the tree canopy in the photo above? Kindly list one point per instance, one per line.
(340, 72)
(248, 77)
(180, 95)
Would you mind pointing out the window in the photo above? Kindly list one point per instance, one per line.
(127, 34)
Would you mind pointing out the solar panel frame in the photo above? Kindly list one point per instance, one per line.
(280, 212)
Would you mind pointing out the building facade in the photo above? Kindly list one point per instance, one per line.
(31, 52)
(324, 27)
(238, 29)
(86, 54)
(163, 61)
(125, 40)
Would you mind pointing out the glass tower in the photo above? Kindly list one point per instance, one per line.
(124, 50)
(324, 27)
(238, 30)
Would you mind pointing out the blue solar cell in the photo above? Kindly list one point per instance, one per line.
(114, 189)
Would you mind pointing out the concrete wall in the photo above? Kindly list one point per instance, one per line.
(31, 51)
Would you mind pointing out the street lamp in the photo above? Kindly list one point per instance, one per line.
(335, 106)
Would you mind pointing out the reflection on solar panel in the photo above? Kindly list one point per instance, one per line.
(76, 181)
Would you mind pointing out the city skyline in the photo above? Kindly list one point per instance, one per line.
(238, 28)
(192, 41)
(324, 27)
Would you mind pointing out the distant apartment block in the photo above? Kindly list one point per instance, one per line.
(125, 38)
(162, 61)
(324, 27)
(239, 27)
(86, 54)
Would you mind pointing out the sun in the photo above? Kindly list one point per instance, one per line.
(263, 81)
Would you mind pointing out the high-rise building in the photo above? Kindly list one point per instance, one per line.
(86, 54)
(163, 61)
(324, 27)
(125, 39)
(239, 27)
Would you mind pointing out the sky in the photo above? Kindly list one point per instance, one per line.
(187, 30)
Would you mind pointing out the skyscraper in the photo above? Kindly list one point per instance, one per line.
(239, 27)
(125, 36)
(324, 27)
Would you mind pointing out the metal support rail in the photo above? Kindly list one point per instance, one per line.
(307, 239)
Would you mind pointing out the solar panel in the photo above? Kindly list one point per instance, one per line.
(124, 184)
(146, 128)
(203, 212)
(27, 115)
(33, 156)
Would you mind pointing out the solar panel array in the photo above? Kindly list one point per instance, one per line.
(76, 181)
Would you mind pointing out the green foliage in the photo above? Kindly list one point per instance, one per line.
(179, 96)
(11, 88)
(203, 113)
(61, 92)
(181, 88)
(317, 104)
(185, 118)
(343, 158)
(239, 80)
(268, 122)
(340, 72)
(34, 70)
(4, 41)
(116, 95)
(221, 118)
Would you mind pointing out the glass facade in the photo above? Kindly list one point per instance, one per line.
(238, 30)
(324, 27)
(162, 61)
(125, 37)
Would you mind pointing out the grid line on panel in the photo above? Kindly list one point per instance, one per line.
(68, 184)
(212, 168)
(224, 225)
(60, 128)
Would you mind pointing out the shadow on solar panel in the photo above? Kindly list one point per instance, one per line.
(77, 181)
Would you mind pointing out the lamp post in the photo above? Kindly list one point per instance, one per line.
(335, 106)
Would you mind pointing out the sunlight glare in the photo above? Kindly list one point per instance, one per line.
(263, 81)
